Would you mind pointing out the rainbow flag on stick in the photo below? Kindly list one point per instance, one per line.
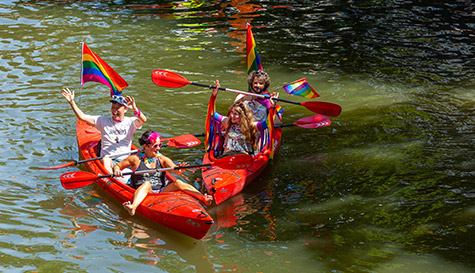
(301, 88)
(94, 69)
(270, 127)
(252, 58)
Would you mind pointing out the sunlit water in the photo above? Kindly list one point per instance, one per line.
(388, 187)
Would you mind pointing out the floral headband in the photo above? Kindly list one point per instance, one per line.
(153, 137)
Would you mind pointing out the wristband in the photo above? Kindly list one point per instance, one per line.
(137, 113)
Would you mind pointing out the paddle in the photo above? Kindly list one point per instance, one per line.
(166, 78)
(311, 122)
(183, 141)
(73, 180)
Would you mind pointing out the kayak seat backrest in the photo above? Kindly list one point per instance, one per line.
(98, 147)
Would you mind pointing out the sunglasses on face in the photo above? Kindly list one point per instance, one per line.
(156, 145)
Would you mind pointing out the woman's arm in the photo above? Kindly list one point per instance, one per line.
(166, 162)
(131, 161)
(69, 96)
(141, 118)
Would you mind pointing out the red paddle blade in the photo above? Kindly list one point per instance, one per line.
(184, 141)
(74, 180)
(59, 166)
(239, 161)
(313, 122)
(324, 108)
(166, 78)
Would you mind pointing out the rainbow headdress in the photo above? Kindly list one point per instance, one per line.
(96, 70)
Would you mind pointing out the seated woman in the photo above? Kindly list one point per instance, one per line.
(149, 158)
(241, 129)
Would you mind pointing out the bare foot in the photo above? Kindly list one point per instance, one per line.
(128, 206)
(208, 199)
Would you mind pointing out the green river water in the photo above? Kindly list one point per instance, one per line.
(388, 187)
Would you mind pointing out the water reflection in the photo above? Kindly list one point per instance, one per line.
(389, 185)
(157, 247)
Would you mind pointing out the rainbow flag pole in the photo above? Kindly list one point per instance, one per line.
(97, 70)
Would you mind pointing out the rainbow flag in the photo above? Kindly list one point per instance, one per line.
(301, 88)
(270, 127)
(252, 58)
(279, 110)
(94, 69)
(210, 124)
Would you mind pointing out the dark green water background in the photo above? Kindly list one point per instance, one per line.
(388, 187)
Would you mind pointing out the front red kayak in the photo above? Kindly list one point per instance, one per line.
(176, 210)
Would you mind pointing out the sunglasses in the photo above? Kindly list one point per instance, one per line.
(157, 145)
(261, 73)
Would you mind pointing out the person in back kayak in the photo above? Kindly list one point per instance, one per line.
(117, 130)
(241, 130)
(259, 83)
(149, 158)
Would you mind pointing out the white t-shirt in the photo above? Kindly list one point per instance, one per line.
(116, 136)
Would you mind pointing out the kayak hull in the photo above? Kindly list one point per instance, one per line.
(175, 210)
(225, 183)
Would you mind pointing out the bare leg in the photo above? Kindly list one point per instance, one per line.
(139, 196)
(179, 185)
(107, 163)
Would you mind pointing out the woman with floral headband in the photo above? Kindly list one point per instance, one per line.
(149, 158)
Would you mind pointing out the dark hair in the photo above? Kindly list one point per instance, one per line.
(261, 75)
(144, 138)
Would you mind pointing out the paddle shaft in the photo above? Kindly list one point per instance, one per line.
(101, 157)
(159, 170)
(244, 93)
(74, 180)
(283, 125)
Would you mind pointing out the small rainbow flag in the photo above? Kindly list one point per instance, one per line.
(279, 110)
(252, 58)
(301, 88)
(270, 127)
(94, 69)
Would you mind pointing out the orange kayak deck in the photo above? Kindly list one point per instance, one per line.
(225, 183)
(177, 211)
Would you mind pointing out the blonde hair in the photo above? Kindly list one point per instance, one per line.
(248, 128)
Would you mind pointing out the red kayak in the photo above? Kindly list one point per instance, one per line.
(175, 210)
(225, 183)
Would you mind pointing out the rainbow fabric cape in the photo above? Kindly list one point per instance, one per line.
(94, 69)
(270, 127)
(252, 58)
(301, 88)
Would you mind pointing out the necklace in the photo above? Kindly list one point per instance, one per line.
(150, 160)
(116, 131)
(147, 159)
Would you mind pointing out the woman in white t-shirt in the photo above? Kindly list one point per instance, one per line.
(117, 130)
